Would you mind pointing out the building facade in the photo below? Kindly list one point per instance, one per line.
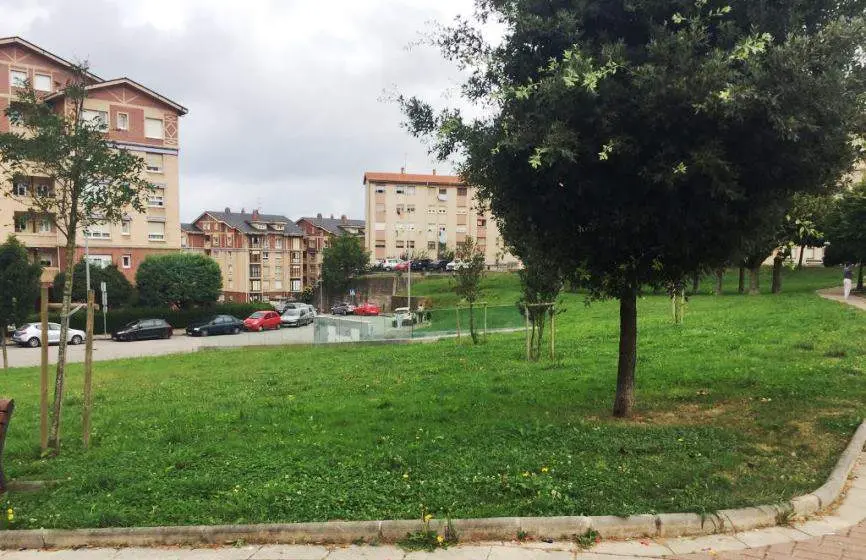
(135, 118)
(413, 215)
(261, 256)
(318, 232)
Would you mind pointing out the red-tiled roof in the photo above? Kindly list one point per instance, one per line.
(411, 178)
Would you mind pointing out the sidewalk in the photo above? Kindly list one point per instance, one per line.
(837, 536)
(835, 294)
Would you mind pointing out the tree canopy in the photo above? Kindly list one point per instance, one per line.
(182, 280)
(845, 228)
(342, 261)
(19, 286)
(643, 141)
(120, 290)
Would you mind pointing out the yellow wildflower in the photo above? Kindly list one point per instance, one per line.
(405, 475)
(10, 514)
(526, 473)
(544, 469)
(440, 539)
(428, 517)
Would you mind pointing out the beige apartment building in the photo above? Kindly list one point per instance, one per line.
(135, 118)
(261, 256)
(412, 214)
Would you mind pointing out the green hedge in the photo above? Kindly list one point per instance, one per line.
(179, 319)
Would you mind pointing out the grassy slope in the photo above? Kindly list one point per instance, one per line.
(749, 402)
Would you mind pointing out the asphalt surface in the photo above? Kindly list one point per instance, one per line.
(179, 343)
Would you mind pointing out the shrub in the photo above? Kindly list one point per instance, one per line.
(181, 279)
(120, 290)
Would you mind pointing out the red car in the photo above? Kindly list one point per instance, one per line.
(402, 266)
(261, 320)
(367, 309)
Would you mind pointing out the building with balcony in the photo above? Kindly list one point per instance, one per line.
(135, 118)
(318, 232)
(261, 256)
(415, 215)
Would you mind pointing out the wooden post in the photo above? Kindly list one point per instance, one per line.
(458, 323)
(526, 327)
(485, 321)
(43, 375)
(88, 370)
(553, 332)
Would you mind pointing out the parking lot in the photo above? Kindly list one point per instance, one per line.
(179, 343)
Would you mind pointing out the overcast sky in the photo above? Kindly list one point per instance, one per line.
(284, 97)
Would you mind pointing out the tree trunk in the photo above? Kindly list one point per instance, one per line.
(472, 332)
(3, 344)
(860, 278)
(777, 274)
(720, 276)
(754, 280)
(696, 282)
(622, 406)
(60, 376)
(800, 260)
(741, 289)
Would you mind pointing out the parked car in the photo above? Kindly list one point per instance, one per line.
(456, 265)
(402, 266)
(261, 320)
(143, 329)
(218, 324)
(437, 265)
(295, 317)
(30, 334)
(390, 264)
(343, 309)
(367, 309)
(403, 318)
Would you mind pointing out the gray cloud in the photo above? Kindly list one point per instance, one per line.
(285, 110)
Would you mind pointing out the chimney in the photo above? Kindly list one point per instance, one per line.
(255, 215)
(344, 220)
(402, 171)
(319, 215)
(243, 210)
(434, 172)
(332, 216)
(228, 210)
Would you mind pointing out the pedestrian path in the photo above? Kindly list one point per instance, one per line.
(838, 535)
(835, 294)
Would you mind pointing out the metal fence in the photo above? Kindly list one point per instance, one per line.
(430, 323)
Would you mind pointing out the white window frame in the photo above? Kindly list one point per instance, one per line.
(154, 199)
(95, 116)
(125, 227)
(21, 188)
(36, 85)
(148, 132)
(45, 225)
(102, 261)
(101, 231)
(296, 285)
(118, 121)
(126, 261)
(153, 168)
(155, 236)
(380, 189)
(14, 78)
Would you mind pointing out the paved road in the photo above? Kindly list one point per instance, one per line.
(179, 343)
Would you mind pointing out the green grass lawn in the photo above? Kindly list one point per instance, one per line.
(750, 401)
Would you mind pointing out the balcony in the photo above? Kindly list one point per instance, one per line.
(255, 272)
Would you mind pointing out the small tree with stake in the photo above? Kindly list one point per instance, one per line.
(541, 281)
(342, 261)
(19, 287)
(468, 274)
(88, 181)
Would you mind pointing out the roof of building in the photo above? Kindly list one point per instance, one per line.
(43, 52)
(134, 85)
(411, 178)
(242, 221)
(334, 225)
(190, 228)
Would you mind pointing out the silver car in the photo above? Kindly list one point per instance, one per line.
(31, 335)
(295, 317)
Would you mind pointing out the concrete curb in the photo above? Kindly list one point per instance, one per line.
(499, 528)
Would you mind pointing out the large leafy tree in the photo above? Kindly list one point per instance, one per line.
(181, 280)
(120, 290)
(19, 287)
(82, 180)
(643, 141)
(845, 229)
(342, 261)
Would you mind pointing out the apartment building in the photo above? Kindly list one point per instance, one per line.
(261, 256)
(135, 118)
(318, 232)
(412, 214)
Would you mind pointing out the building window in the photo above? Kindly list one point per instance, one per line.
(296, 257)
(410, 208)
(21, 186)
(400, 209)
(380, 226)
(431, 245)
(296, 285)
(410, 227)
(410, 191)
(462, 211)
(380, 207)
(101, 261)
(156, 231)
(380, 189)
(431, 210)
(126, 261)
(265, 255)
(20, 224)
(45, 225)
(154, 162)
(400, 190)
(380, 243)
(42, 82)
(216, 241)
(124, 227)
(461, 191)
(443, 210)
(399, 244)
(156, 198)
(410, 244)
(443, 191)
(461, 229)
(45, 260)
(99, 119)
(482, 222)
(278, 271)
(278, 284)
(122, 121)
(278, 243)
(18, 78)
(98, 231)
(44, 190)
(296, 271)
(153, 128)
(230, 240)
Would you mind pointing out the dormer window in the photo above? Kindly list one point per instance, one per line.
(279, 227)
(260, 226)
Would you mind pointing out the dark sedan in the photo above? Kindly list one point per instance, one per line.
(219, 324)
(143, 329)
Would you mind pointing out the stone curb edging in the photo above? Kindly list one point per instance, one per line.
(498, 528)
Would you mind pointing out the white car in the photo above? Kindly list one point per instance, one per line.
(390, 264)
(403, 318)
(31, 335)
(456, 265)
